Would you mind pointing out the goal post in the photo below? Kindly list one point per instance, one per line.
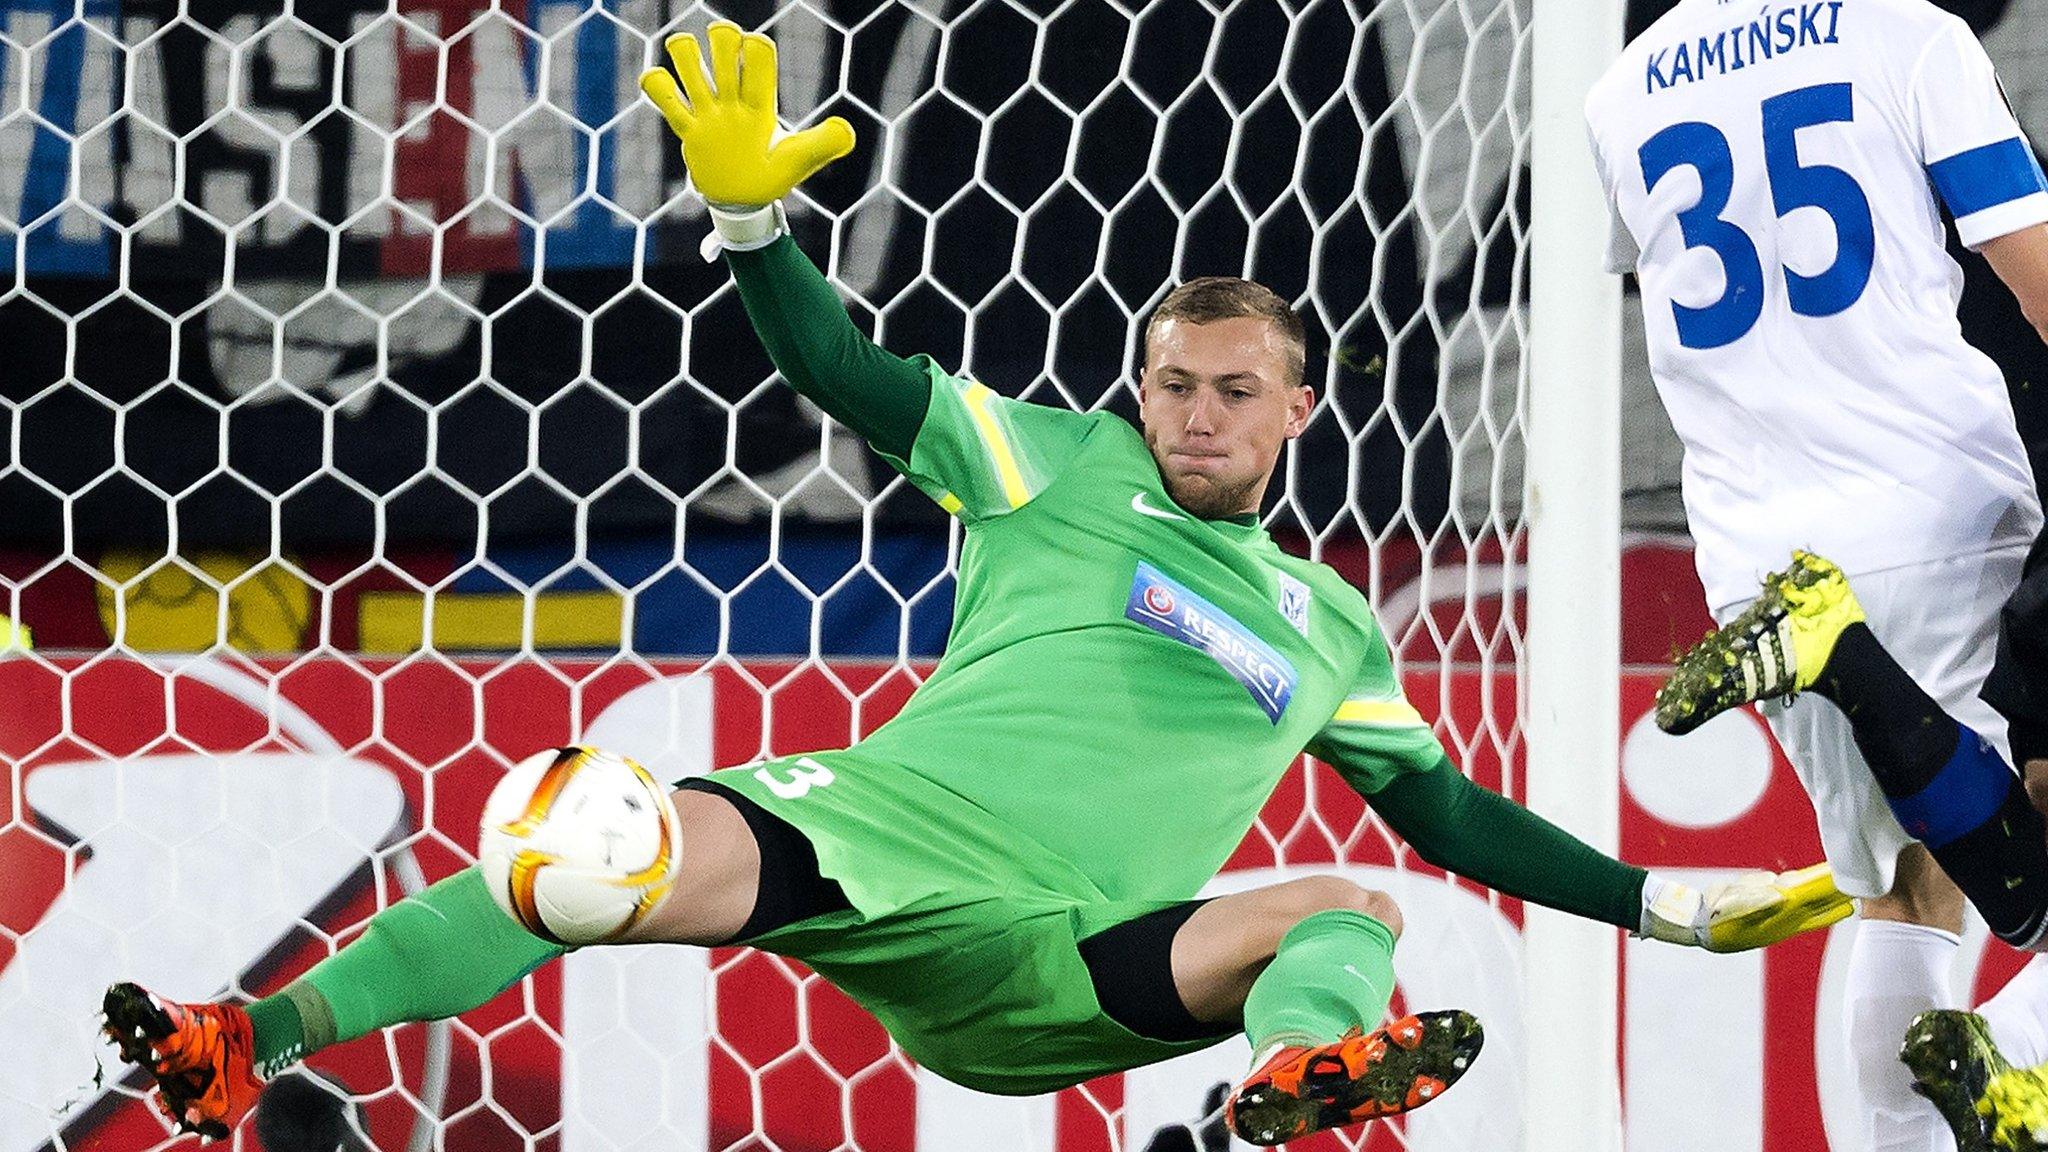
(1571, 967)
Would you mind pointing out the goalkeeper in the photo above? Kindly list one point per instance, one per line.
(1005, 873)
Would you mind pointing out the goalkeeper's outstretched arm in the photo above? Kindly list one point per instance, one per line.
(880, 395)
(1482, 835)
(726, 123)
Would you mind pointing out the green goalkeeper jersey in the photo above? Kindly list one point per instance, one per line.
(1125, 683)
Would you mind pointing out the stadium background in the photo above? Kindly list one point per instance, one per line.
(332, 545)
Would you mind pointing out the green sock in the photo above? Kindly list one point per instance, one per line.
(1333, 972)
(435, 954)
(279, 1033)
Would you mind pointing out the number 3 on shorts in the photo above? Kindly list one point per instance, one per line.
(804, 775)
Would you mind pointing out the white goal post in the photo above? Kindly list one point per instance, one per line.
(1570, 967)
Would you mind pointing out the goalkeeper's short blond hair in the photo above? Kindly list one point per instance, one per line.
(1207, 299)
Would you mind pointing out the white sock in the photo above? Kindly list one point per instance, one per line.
(2018, 1015)
(1896, 972)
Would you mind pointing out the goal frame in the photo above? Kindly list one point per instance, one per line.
(1571, 967)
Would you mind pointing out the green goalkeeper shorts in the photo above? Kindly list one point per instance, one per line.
(963, 939)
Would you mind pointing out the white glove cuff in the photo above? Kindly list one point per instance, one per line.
(743, 228)
(1672, 912)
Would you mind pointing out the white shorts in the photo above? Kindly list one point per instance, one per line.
(1940, 622)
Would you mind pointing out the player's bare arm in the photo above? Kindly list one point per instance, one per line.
(2021, 260)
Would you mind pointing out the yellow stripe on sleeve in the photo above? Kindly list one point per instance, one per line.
(951, 504)
(978, 398)
(1385, 713)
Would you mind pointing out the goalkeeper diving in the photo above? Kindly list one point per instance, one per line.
(1005, 874)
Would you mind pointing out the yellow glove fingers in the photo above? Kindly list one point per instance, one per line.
(1761, 909)
(757, 73)
(1811, 895)
(1835, 909)
(724, 36)
(660, 86)
(727, 120)
(689, 62)
(1798, 916)
(797, 157)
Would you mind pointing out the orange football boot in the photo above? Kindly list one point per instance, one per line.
(202, 1056)
(1361, 1077)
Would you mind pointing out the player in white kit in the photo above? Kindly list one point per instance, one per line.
(1776, 173)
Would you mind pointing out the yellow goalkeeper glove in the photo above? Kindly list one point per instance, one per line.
(727, 124)
(1751, 911)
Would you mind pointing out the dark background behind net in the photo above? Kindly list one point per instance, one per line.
(260, 471)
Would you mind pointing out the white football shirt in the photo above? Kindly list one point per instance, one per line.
(1773, 172)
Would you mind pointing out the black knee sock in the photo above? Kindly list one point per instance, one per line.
(1948, 787)
(1902, 732)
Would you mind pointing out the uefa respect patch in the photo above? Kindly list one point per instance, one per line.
(1167, 607)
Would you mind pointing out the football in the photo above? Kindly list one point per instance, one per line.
(578, 844)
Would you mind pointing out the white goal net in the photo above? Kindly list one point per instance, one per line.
(373, 423)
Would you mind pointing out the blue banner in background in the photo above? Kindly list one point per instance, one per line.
(70, 243)
(774, 603)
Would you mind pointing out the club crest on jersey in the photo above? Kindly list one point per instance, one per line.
(1294, 598)
(1167, 607)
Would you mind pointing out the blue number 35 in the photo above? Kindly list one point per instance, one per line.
(1704, 149)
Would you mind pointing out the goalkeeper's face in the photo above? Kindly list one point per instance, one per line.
(1218, 402)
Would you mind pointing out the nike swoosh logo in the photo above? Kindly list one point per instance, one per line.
(1369, 981)
(2012, 882)
(1139, 506)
